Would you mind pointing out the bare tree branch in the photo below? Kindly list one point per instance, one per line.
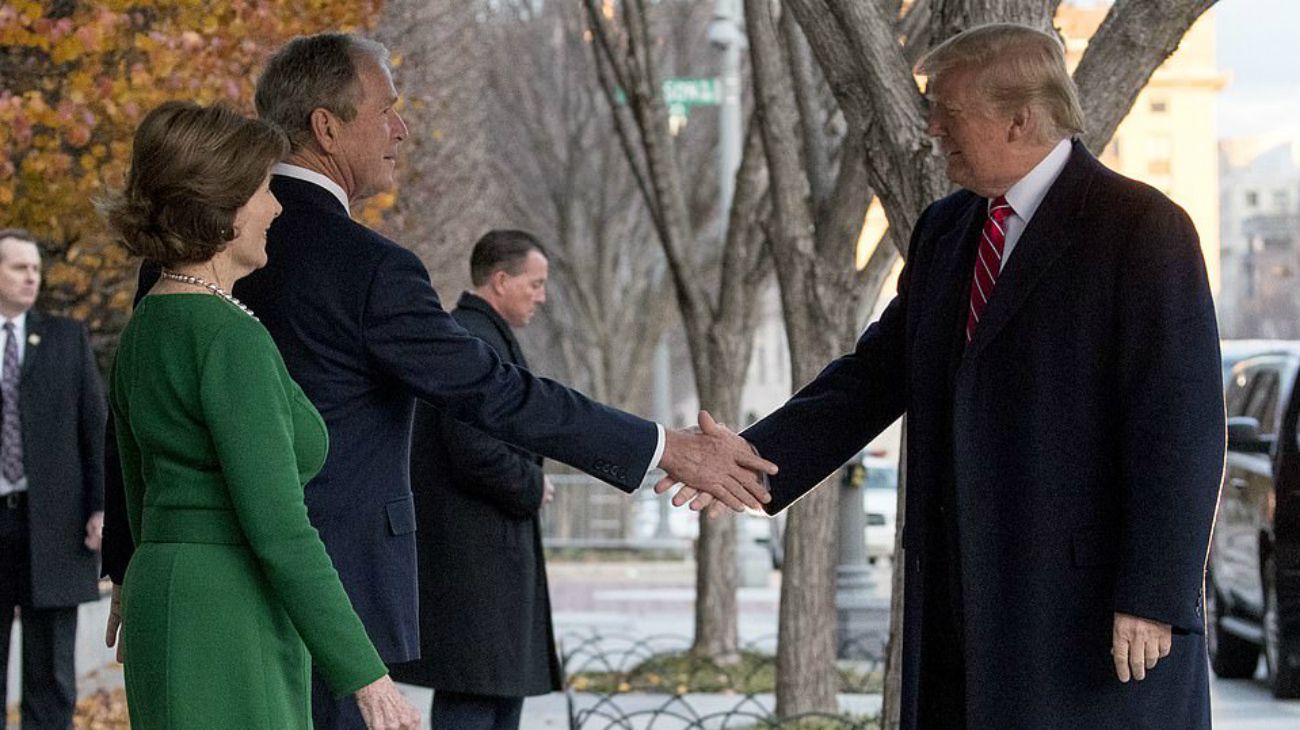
(1134, 39)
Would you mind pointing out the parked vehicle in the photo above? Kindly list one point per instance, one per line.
(878, 477)
(1252, 596)
(880, 499)
(1234, 351)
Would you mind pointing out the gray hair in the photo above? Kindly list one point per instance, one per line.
(1016, 66)
(310, 73)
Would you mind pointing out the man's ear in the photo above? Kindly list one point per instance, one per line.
(1023, 123)
(324, 129)
(498, 280)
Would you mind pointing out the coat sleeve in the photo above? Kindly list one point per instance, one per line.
(93, 414)
(1172, 428)
(410, 337)
(247, 411)
(490, 469)
(128, 504)
(849, 403)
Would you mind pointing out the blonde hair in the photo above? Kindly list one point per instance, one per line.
(1015, 66)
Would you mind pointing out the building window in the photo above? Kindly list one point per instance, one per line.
(1280, 200)
(1159, 106)
(1252, 199)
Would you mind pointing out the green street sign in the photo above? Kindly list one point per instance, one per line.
(681, 94)
(693, 92)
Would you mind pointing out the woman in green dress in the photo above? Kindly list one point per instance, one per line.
(230, 596)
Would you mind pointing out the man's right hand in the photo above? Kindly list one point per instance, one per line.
(384, 708)
(548, 492)
(113, 632)
(716, 461)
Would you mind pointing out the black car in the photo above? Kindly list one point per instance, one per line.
(1252, 592)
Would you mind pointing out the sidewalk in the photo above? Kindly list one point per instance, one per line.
(647, 599)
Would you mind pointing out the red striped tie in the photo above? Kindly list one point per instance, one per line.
(988, 261)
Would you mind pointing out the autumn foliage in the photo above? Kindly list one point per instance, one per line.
(76, 77)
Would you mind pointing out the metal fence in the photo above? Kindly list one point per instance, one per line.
(617, 682)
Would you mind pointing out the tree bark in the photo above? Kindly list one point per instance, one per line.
(1134, 39)
(716, 287)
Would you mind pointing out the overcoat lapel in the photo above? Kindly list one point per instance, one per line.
(32, 352)
(947, 291)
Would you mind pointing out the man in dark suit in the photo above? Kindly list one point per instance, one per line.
(363, 332)
(52, 415)
(486, 639)
(1053, 344)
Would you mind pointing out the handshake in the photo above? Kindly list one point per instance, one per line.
(715, 468)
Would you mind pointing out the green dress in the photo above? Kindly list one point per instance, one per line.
(230, 596)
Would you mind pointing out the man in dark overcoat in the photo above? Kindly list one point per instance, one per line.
(52, 416)
(486, 639)
(1053, 345)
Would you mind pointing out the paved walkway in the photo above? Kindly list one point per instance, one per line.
(644, 599)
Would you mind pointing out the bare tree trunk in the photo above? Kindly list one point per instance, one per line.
(716, 577)
(716, 288)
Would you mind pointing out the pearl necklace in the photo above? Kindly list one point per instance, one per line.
(196, 281)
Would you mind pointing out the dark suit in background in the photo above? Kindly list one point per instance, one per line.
(1061, 467)
(46, 570)
(485, 613)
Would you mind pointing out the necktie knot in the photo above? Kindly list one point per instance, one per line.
(1000, 210)
(9, 326)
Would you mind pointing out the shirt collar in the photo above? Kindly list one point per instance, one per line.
(1027, 194)
(315, 178)
(20, 325)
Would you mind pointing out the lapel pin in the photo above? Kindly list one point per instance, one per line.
(33, 339)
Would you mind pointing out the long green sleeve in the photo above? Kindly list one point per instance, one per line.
(246, 394)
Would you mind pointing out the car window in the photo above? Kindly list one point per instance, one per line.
(881, 479)
(1238, 390)
(1262, 404)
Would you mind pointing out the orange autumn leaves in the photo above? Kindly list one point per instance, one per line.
(77, 76)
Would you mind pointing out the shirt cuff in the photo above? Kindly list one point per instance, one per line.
(659, 449)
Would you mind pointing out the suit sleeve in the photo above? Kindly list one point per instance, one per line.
(488, 468)
(849, 403)
(411, 338)
(93, 414)
(1172, 430)
(247, 410)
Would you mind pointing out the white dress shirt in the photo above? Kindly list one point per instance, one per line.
(315, 178)
(20, 338)
(1027, 194)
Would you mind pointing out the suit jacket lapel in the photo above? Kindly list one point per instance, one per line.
(35, 326)
(1050, 233)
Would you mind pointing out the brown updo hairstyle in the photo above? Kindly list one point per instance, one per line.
(192, 169)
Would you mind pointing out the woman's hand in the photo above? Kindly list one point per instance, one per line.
(384, 708)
